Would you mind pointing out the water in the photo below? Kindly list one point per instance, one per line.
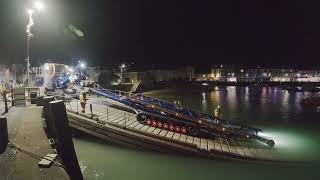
(294, 129)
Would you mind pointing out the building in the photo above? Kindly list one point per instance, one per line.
(237, 74)
(185, 73)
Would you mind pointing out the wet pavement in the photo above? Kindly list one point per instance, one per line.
(25, 129)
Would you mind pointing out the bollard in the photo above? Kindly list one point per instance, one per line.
(91, 111)
(65, 147)
(45, 112)
(3, 134)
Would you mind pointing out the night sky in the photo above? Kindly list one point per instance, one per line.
(164, 33)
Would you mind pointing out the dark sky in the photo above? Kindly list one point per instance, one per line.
(166, 33)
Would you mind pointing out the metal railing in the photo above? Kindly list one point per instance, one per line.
(71, 102)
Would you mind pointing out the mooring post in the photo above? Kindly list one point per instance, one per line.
(65, 146)
(4, 138)
(91, 111)
(49, 122)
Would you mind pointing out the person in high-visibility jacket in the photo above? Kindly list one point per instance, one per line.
(83, 101)
(2, 88)
(217, 112)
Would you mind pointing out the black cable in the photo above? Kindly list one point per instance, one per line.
(38, 157)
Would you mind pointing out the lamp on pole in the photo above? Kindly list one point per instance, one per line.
(36, 6)
(121, 70)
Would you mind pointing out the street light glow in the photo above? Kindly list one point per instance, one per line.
(29, 11)
(82, 65)
(123, 66)
(39, 5)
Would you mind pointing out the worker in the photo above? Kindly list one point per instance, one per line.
(2, 88)
(217, 112)
(83, 101)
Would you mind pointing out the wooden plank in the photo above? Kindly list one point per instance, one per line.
(150, 130)
(211, 144)
(250, 147)
(244, 149)
(144, 128)
(156, 131)
(223, 145)
(196, 141)
(139, 126)
(163, 132)
(203, 144)
(189, 139)
(176, 136)
(169, 134)
(238, 147)
(217, 144)
(134, 124)
(183, 137)
(231, 148)
(234, 148)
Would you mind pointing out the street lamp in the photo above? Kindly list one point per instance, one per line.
(36, 6)
(121, 70)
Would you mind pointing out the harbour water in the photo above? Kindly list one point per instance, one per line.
(296, 131)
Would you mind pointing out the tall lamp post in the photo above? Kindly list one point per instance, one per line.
(121, 70)
(36, 6)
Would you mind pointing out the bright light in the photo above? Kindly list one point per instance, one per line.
(241, 70)
(29, 11)
(82, 65)
(39, 5)
(286, 74)
(263, 134)
(123, 66)
(46, 67)
(232, 79)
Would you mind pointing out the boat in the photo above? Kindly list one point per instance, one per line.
(170, 116)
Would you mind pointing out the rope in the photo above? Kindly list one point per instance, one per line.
(36, 156)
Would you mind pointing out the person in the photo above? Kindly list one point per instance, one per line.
(83, 101)
(217, 112)
(2, 88)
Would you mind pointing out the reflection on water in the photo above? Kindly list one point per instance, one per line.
(294, 129)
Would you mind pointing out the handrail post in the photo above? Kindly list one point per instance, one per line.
(5, 102)
(77, 107)
(91, 111)
(12, 102)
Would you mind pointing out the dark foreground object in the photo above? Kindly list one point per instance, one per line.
(65, 147)
(3, 134)
(25, 130)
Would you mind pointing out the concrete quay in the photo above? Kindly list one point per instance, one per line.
(25, 129)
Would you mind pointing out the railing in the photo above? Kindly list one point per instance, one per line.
(4, 103)
(71, 102)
